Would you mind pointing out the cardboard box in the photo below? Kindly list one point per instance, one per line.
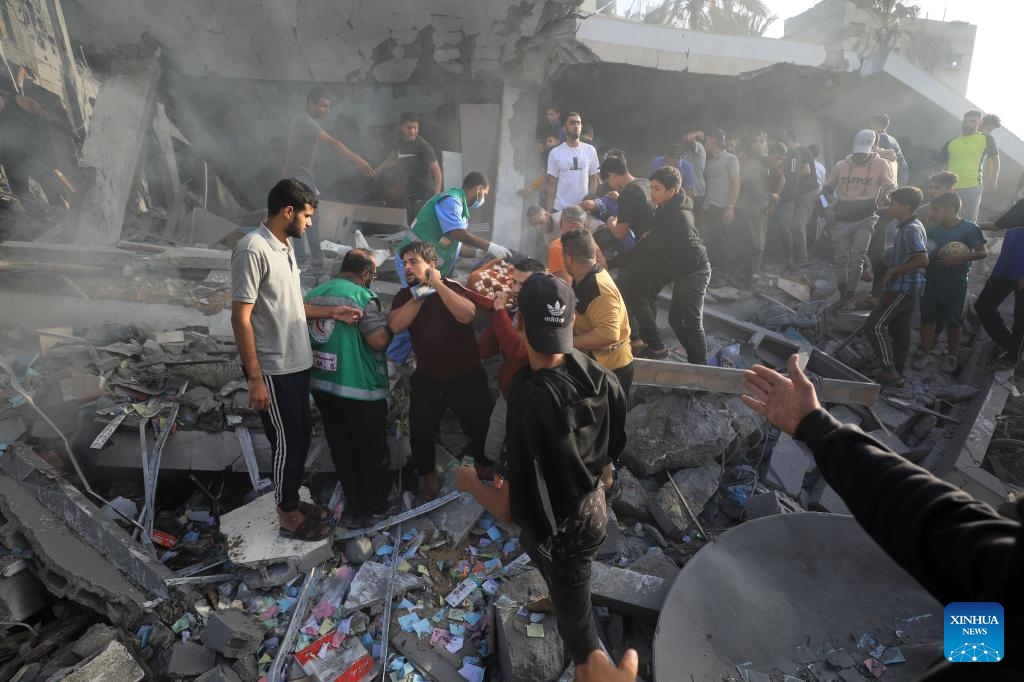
(350, 662)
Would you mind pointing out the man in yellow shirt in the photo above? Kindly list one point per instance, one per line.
(974, 157)
(601, 327)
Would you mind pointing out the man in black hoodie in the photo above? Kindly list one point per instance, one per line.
(566, 422)
(958, 548)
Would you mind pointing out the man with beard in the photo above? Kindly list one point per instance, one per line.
(304, 138)
(572, 168)
(439, 312)
(415, 157)
(269, 322)
(969, 156)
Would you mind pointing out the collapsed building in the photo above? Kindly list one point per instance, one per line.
(131, 469)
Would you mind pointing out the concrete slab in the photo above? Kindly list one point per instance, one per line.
(458, 517)
(253, 542)
(21, 593)
(232, 632)
(697, 484)
(628, 592)
(889, 440)
(767, 504)
(114, 664)
(521, 657)
(189, 659)
(632, 501)
(789, 464)
(423, 656)
(369, 587)
(656, 562)
(894, 418)
(846, 415)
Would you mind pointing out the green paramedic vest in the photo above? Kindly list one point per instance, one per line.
(428, 229)
(343, 365)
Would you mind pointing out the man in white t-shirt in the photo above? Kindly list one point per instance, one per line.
(573, 168)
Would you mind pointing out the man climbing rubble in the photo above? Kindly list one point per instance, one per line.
(268, 318)
(958, 548)
(566, 420)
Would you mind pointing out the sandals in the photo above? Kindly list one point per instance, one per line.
(310, 530)
(314, 511)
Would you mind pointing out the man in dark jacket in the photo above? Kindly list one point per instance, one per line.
(958, 548)
(566, 421)
(672, 252)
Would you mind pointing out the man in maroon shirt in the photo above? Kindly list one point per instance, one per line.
(439, 312)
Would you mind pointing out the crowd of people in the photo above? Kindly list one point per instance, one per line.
(543, 451)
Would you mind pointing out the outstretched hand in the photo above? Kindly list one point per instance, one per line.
(784, 401)
(598, 668)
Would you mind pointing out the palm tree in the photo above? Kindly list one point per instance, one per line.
(892, 27)
(725, 17)
(703, 15)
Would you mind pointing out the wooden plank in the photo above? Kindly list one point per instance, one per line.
(727, 380)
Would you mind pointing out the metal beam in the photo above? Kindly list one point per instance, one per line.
(727, 380)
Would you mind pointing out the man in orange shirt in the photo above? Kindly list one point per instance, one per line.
(572, 217)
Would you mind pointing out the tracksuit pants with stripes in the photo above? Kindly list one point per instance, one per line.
(288, 423)
(891, 320)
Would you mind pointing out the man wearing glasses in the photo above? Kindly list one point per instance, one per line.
(350, 384)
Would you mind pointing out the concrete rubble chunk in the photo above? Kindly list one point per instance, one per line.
(369, 587)
(789, 463)
(21, 593)
(676, 430)
(95, 639)
(656, 562)
(769, 503)
(522, 657)
(221, 673)
(458, 517)
(846, 415)
(628, 592)
(233, 633)
(632, 501)
(425, 657)
(612, 539)
(113, 664)
(254, 543)
(188, 659)
(359, 550)
(888, 439)
(894, 418)
(697, 484)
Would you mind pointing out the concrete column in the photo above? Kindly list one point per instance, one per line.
(114, 147)
(516, 149)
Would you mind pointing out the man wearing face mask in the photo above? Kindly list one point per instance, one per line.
(350, 384)
(443, 222)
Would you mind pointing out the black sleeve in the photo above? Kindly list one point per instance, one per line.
(646, 249)
(427, 155)
(957, 547)
(1012, 218)
(633, 207)
(944, 152)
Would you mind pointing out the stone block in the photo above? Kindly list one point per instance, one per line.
(627, 592)
(188, 659)
(789, 463)
(21, 593)
(894, 418)
(846, 415)
(221, 673)
(369, 587)
(522, 657)
(675, 430)
(114, 664)
(458, 517)
(632, 501)
(233, 633)
(656, 562)
(254, 543)
(612, 539)
(359, 550)
(697, 485)
(770, 503)
(95, 639)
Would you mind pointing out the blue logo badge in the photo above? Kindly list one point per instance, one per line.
(974, 632)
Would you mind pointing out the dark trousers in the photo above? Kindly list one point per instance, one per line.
(625, 377)
(640, 286)
(568, 581)
(468, 397)
(876, 254)
(891, 319)
(995, 291)
(288, 423)
(356, 432)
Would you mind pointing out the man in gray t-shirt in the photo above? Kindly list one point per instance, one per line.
(304, 137)
(268, 318)
(722, 178)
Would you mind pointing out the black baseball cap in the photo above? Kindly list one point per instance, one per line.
(547, 303)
